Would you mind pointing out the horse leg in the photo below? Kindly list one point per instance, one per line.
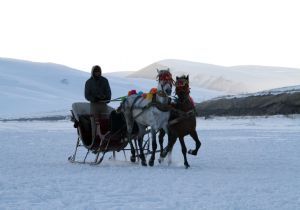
(162, 133)
(129, 136)
(132, 157)
(142, 156)
(194, 135)
(169, 147)
(184, 150)
(154, 147)
(170, 150)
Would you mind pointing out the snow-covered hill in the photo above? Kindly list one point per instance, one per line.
(39, 89)
(29, 87)
(236, 79)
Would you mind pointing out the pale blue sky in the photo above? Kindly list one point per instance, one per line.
(128, 35)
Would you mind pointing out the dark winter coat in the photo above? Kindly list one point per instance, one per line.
(97, 89)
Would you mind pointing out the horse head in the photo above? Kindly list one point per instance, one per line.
(165, 82)
(182, 88)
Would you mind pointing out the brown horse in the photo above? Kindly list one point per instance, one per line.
(182, 120)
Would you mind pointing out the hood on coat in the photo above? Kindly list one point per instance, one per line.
(96, 67)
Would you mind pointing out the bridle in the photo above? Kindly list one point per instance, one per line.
(182, 85)
(165, 77)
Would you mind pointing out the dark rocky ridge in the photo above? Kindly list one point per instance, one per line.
(44, 118)
(255, 105)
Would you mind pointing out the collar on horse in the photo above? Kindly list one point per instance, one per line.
(160, 93)
(160, 106)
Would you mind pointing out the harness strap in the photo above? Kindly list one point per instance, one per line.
(143, 109)
(159, 106)
(182, 116)
(162, 107)
(135, 100)
(190, 113)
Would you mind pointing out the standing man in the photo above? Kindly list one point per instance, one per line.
(97, 91)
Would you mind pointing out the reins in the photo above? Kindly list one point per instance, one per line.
(115, 99)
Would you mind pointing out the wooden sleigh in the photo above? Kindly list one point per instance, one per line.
(111, 133)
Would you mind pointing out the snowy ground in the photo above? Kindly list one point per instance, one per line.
(251, 163)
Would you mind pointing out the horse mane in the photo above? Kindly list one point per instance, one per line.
(163, 72)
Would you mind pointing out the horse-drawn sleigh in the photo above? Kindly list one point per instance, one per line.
(138, 115)
(110, 132)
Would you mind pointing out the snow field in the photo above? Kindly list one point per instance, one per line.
(250, 163)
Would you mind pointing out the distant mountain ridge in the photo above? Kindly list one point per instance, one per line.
(233, 80)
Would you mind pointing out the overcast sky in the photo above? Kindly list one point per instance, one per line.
(131, 34)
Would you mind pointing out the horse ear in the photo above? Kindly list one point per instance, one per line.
(187, 77)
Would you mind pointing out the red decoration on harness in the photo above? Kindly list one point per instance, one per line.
(153, 90)
(132, 92)
(166, 77)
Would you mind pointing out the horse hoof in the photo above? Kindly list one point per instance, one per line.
(144, 163)
(163, 154)
(160, 160)
(132, 159)
(192, 152)
(186, 166)
(151, 162)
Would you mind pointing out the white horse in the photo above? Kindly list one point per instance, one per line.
(154, 113)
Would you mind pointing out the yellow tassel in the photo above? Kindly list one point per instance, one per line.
(149, 96)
